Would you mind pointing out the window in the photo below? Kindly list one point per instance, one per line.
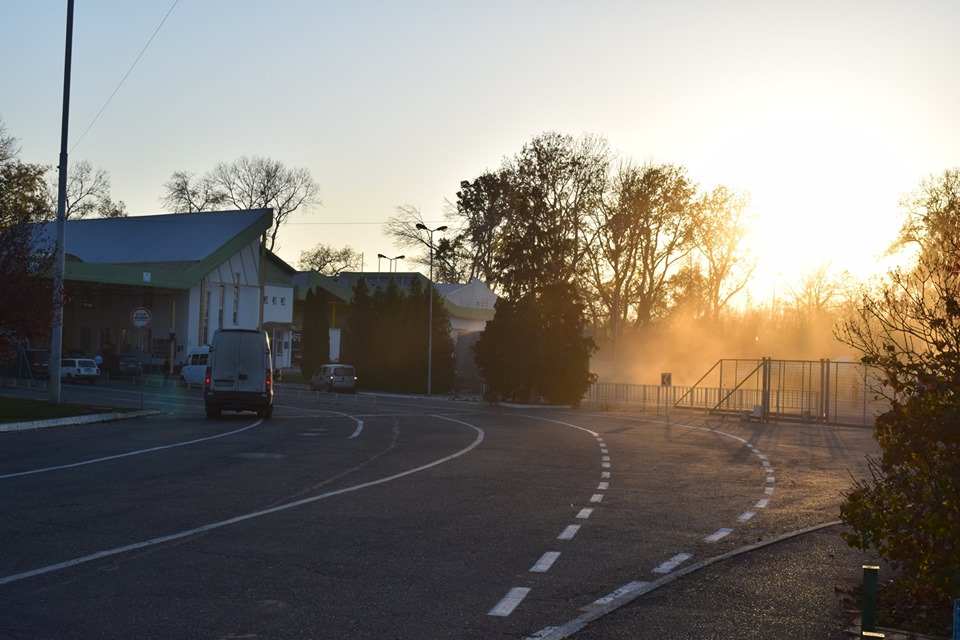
(205, 330)
(236, 304)
(220, 311)
(274, 300)
(283, 301)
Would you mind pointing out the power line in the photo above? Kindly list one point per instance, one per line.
(122, 80)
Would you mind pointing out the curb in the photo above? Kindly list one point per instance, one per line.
(75, 420)
(629, 595)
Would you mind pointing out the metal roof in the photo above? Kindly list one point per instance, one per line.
(181, 237)
(176, 249)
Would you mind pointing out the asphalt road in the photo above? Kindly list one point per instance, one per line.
(375, 517)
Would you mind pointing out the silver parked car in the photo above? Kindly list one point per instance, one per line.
(77, 369)
(334, 377)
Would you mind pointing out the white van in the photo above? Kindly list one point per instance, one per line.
(239, 375)
(194, 368)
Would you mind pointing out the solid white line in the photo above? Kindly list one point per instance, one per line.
(672, 563)
(510, 602)
(358, 430)
(746, 515)
(569, 532)
(359, 422)
(717, 535)
(130, 453)
(762, 504)
(603, 486)
(584, 513)
(545, 562)
(249, 516)
(597, 497)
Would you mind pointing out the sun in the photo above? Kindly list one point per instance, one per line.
(823, 191)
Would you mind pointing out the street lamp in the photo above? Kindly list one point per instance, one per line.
(392, 261)
(430, 231)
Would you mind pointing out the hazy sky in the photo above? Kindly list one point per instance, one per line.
(826, 111)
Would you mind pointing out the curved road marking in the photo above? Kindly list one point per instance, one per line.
(130, 453)
(249, 516)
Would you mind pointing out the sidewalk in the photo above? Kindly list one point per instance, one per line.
(805, 587)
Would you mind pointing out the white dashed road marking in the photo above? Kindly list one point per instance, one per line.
(597, 497)
(746, 515)
(510, 602)
(762, 504)
(545, 562)
(718, 534)
(584, 513)
(672, 563)
(569, 532)
(619, 593)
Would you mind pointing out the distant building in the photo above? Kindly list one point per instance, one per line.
(192, 272)
(470, 307)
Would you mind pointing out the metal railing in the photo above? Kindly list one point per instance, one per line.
(844, 393)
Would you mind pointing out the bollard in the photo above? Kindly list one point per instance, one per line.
(868, 618)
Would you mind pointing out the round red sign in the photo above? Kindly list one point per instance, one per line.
(140, 317)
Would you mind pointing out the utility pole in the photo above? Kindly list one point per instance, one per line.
(56, 339)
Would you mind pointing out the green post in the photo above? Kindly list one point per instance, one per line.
(956, 619)
(868, 619)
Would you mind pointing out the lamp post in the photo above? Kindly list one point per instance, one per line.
(392, 261)
(430, 231)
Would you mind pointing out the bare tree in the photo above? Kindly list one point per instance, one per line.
(328, 260)
(88, 193)
(817, 292)
(187, 193)
(719, 233)
(252, 182)
(451, 259)
(257, 182)
(9, 149)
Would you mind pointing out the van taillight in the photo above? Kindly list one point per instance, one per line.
(206, 378)
(269, 377)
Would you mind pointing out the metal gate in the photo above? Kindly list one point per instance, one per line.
(845, 393)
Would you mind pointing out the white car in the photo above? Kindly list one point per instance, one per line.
(77, 369)
(334, 377)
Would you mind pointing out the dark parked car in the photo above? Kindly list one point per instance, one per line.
(119, 367)
(39, 362)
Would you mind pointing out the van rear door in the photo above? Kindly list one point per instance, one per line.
(240, 363)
